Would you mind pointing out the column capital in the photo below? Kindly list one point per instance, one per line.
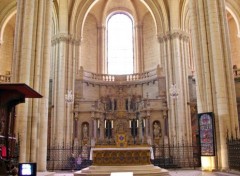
(173, 35)
(101, 27)
(64, 37)
(138, 26)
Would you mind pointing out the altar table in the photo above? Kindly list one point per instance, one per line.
(121, 156)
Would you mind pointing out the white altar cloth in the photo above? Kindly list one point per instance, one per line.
(124, 148)
(121, 174)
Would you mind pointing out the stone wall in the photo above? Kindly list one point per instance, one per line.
(235, 42)
(150, 44)
(89, 45)
(6, 50)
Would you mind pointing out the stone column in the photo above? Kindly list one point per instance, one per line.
(32, 66)
(173, 44)
(138, 49)
(140, 126)
(75, 132)
(147, 127)
(37, 72)
(165, 48)
(62, 39)
(23, 59)
(70, 72)
(102, 127)
(17, 43)
(215, 86)
(43, 121)
(174, 59)
(129, 103)
(95, 128)
(165, 126)
(102, 65)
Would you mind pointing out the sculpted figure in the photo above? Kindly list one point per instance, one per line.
(156, 130)
(85, 131)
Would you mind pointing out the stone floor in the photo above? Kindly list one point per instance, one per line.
(172, 173)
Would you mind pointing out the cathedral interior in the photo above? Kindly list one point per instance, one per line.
(184, 61)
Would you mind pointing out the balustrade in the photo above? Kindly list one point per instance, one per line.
(236, 73)
(5, 78)
(89, 76)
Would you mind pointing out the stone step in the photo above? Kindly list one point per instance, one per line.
(141, 170)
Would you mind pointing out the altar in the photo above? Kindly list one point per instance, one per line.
(116, 156)
(121, 144)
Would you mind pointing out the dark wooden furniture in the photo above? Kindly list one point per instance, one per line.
(11, 94)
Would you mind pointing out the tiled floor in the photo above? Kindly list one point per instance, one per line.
(172, 173)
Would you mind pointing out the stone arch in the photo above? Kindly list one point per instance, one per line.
(7, 30)
(7, 14)
(78, 16)
(106, 13)
(55, 19)
(115, 11)
(81, 9)
(231, 8)
(160, 16)
(185, 17)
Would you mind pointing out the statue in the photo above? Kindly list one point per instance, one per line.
(85, 131)
(156, 130)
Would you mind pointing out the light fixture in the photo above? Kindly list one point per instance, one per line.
(173, 91)
(69, 98)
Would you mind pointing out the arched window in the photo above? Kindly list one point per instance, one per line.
(120, 44)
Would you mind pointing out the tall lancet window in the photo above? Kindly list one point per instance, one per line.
(120, 44)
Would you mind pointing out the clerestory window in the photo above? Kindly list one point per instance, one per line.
(120, 44)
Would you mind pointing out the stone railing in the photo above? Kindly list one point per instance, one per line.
(236, 73)
(136, 78)
(5, 78)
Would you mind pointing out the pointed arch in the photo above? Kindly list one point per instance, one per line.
(81, 9)
(231, 7)
(159, 13)
(7, 13)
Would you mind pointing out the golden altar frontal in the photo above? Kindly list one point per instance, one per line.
(121, 156)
